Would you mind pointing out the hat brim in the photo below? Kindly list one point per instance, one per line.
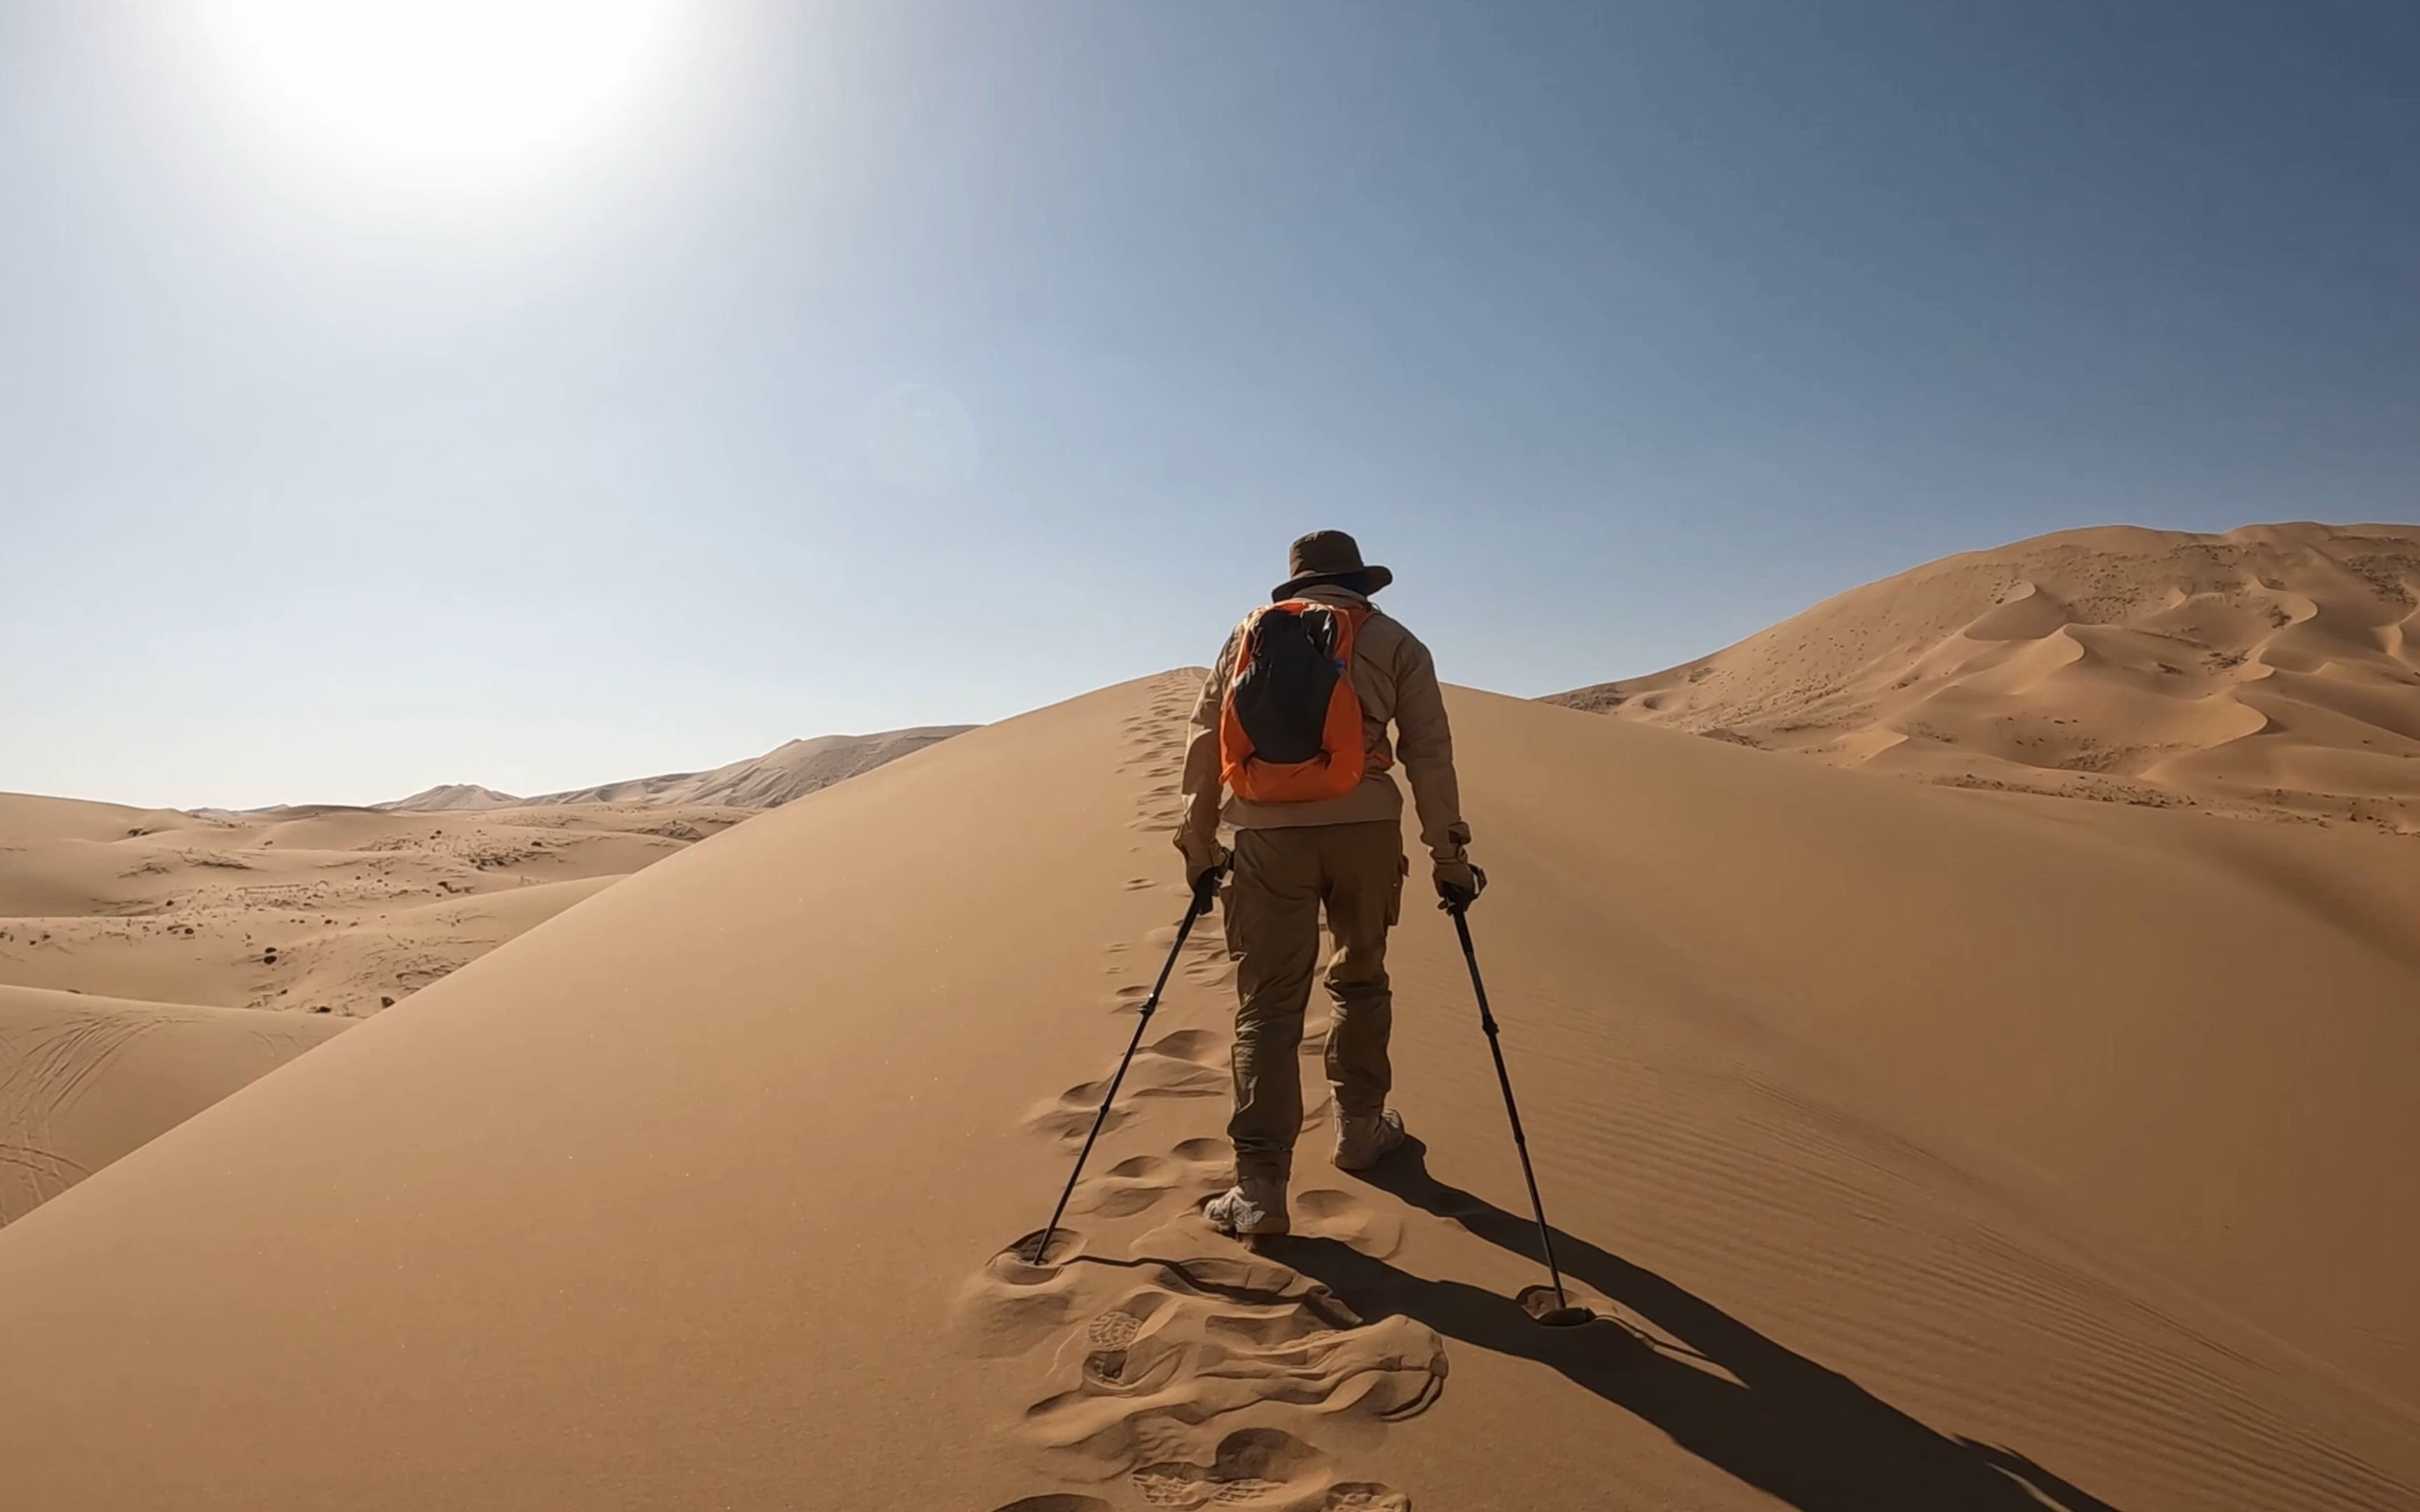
(1362, 580)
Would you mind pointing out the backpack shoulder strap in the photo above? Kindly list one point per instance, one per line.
(1245, 636)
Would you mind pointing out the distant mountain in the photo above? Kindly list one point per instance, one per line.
(452, 797)
(786, 772)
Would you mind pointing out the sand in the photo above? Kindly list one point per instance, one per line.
(238, 941)
(308, 910)
(1922, 1148)
(2273, 673)
(330, 912)
(84, 1079)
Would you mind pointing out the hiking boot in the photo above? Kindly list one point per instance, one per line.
(1362, 1143)
(1255, 1205)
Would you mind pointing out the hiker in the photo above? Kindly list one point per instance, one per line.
(1318, 823)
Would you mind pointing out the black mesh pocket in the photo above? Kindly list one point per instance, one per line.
(1282, 699)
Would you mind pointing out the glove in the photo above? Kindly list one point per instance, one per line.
(1203, 867)
(1459, 884)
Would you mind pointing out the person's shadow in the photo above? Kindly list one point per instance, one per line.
(1807, 1436)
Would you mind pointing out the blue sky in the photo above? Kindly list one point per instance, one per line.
(863, 366)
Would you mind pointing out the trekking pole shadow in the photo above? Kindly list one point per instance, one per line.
(1809, 1437)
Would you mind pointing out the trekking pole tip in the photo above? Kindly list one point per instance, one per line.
(1549, 1308)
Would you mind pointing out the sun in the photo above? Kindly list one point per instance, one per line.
(455, 86)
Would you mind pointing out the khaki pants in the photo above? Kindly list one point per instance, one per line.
(1282, 879)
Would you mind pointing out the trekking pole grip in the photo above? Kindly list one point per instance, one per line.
(1205, 889)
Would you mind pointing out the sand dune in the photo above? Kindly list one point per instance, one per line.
(83, 1079)
(324, 911)
(787, 772)
(452, 797)
(300, 922)
(1923, 1148)
(2273, 671)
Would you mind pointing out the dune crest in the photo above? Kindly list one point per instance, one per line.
(788, 771)
(2270, 671)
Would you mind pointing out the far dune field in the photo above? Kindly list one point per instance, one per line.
(2273, 673)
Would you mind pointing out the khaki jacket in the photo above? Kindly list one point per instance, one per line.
(1396, 681)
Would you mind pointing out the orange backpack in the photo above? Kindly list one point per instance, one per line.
(1289, 729)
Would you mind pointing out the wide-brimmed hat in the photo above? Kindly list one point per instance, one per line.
(1329, 557)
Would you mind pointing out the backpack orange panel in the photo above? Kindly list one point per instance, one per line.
(1343, 758)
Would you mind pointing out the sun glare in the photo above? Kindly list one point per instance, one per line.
(452, 86)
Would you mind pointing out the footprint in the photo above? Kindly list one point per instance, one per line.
(1117, 1328)
(1118, 1201)
(1069, 1118)
(1250, 1465)
(1210, 972)
(1324, 1213)
(1123, 1353)
(1136, 1184)
(1365, 1496)
(1214, 1335)
(1158, 1075)
(1070, 1115)
(1195, 1170)
(1203, 1047)
(1128, 1371)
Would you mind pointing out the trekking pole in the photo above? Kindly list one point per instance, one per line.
(1504, 1079)
(1206, 892)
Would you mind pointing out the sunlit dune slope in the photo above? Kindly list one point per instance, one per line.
(1922, 1150)
(2273, 670)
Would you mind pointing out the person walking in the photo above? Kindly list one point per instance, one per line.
(1289, 745)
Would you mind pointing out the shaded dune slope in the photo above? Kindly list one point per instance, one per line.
(2272, 670)
(83, 1079)
(1924, 1149)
